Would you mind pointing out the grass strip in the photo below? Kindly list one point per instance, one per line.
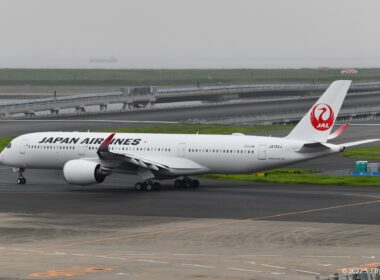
(201, 128)
(300, 176)
(4, 142)
(363, 153)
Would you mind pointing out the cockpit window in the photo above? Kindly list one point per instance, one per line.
(9, 145)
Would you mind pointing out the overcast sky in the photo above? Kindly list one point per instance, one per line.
(190, 33)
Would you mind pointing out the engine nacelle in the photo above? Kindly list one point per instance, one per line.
(84, 172)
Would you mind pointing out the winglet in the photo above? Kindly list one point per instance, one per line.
(104, 146)
(339, 131)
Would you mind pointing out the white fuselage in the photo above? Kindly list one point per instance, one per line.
(217, 153)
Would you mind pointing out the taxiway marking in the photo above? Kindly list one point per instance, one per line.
(243, 269)
(198, 265)
(273, 266)
(151, 261)
(324, 264)
(308, 272)
(311, 256)
(110, 257)
(318, 209)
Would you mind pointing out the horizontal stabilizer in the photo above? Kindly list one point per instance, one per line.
(357, 143)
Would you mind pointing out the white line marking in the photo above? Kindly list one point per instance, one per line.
(251, 262)
(242, 269)
(324, 264)
(109, 257)
(308, 272)
(59, 253)
(141, 254)
(277, 273)
(260, 255)
(198, 265)
(185, 254)
(273, 266)
(325, 257)
(108, 121)
(122, 274)
(368, 257)
(151, 261)
(364, 124)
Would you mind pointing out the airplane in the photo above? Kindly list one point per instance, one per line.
(89, 157)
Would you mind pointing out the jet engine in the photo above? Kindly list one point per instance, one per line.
(84, 172)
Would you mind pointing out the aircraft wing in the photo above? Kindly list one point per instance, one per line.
(148, 164)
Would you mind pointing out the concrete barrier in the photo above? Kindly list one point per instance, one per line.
(140, 97)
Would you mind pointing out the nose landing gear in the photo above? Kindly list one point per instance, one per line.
(21, 179)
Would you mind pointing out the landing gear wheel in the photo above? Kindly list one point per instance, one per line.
(149, 187)
(156, 186)
(139, 187)
(21, 181)
(195, 183)
(178, 183)
(188, 183)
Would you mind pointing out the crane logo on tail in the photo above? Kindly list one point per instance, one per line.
(322, 117)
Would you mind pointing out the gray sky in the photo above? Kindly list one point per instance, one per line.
(190, 33)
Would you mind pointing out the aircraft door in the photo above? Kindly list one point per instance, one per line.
(262, 152)
(181, 149)
(82, 150)
(23, 146)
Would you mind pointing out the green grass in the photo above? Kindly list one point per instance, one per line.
(300, 176)
(134, 77)
(363, 153)
(4, 142)
(201, 128)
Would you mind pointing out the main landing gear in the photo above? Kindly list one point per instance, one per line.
(21, 179)
(148, 186)
(186, 183)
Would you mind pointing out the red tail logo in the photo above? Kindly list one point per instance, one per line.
(322, 117)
